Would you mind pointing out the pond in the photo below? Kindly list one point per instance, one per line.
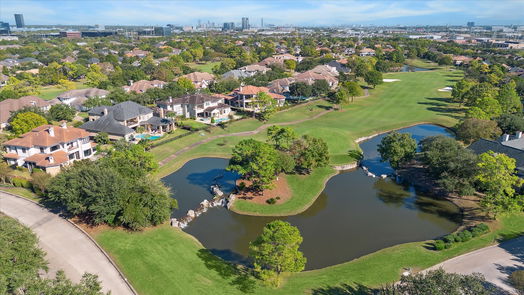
(408, 68)
(355, 214)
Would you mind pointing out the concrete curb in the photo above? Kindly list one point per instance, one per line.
(88, 236)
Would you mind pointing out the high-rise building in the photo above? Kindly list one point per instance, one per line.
(228, 26)
(4, 28)
(163, 31)
(245, 23)
(261, 22)
(19, 19)
(471, 24)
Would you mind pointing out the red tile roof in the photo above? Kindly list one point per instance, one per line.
(48, 160)
(40, 136)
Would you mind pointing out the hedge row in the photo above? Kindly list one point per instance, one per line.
(447, 241)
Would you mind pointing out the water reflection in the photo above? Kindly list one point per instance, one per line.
(355, 214)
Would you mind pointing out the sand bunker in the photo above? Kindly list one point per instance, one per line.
(445, 89)
(390, 80)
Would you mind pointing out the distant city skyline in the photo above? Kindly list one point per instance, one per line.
(303, 13)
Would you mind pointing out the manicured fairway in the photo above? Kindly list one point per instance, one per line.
(168, 261)
(50, 92)
(413, 99)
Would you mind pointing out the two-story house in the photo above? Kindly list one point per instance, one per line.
(244, 97)
(200, 80)
(143, 85)
(121, 120)
(197, 105)
(77, 97)
(49, 148)
(14, 104)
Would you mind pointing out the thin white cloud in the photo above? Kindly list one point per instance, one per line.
(297, 12)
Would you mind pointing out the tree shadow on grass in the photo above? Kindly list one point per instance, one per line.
(439, 106)
(236, 276)
(344, 289)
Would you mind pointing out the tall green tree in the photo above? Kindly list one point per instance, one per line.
(353, 89)
(59, 112)
(397, 148)
(276, 250)
(373, 78)
(471, 129)
(266, 105)
(509, 99)
(25, 122)
(281, 137)
(255, 161)
(497, 179)
(95, 76)
(310, 152)
(460, 89)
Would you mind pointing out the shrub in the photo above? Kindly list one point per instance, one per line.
(439, 245)
(482, 227)
(465, 235)
(517, 279)
(450, 238)
(20, 182)
(241, 186)
(271, 201)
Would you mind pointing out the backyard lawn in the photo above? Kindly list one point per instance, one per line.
(206, 67)
(50, 92)
(164, 260)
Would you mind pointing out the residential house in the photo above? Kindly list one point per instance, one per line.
(121, 120)
(3, 80)
(197, 105)
(483, 145)
(310, 77)
(200, 80)
(77, 97)
(143, 85)
(281, 86)
(339, 66)
(49, 148)
(11, 105)
(254, 69)
(244, 97)
(236, 74)
(461, 59)
(367, 52)
(325, 70)
(137, 53)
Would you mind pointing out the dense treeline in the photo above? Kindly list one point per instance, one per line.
(115, 190)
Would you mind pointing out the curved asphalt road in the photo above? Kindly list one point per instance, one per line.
(494, 262)
(67, 247)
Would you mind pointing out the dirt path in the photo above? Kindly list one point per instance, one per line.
(243, 133)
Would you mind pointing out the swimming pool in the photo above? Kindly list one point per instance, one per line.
(147, 136)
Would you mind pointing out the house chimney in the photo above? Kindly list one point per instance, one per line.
(51, 159)
(170, 99)
(518, 135)
(51, 131)
(63, 124)
(505, 137)
(162, 114)
(130, 82)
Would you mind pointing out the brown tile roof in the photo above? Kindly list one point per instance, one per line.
(40, 136)
(9, 105)
(48, 160)
(11, 156)
(250, 90)
(199, 77)
(143, 85)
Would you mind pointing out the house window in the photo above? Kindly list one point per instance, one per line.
(42, 150)
(87, 153)
(54, 148)
(24, 150)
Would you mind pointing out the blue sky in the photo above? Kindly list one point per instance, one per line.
(315, 13)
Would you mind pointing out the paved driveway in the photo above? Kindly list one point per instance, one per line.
(67, 247)
(495, 262)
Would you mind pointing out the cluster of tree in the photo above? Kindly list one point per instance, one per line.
(28, 118)
(21, 260)
(261, 79)
(458, 170)
(116, 190)
(318, 88)
(348, 89)
(438, 282)
(285, 152)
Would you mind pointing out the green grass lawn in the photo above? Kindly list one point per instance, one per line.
(23, 192)
(423, 63)
(50, 92)
(413, 99)
(164, 260)
(206, 67)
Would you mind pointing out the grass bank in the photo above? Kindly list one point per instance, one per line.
(50, 92)
(164, 260)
